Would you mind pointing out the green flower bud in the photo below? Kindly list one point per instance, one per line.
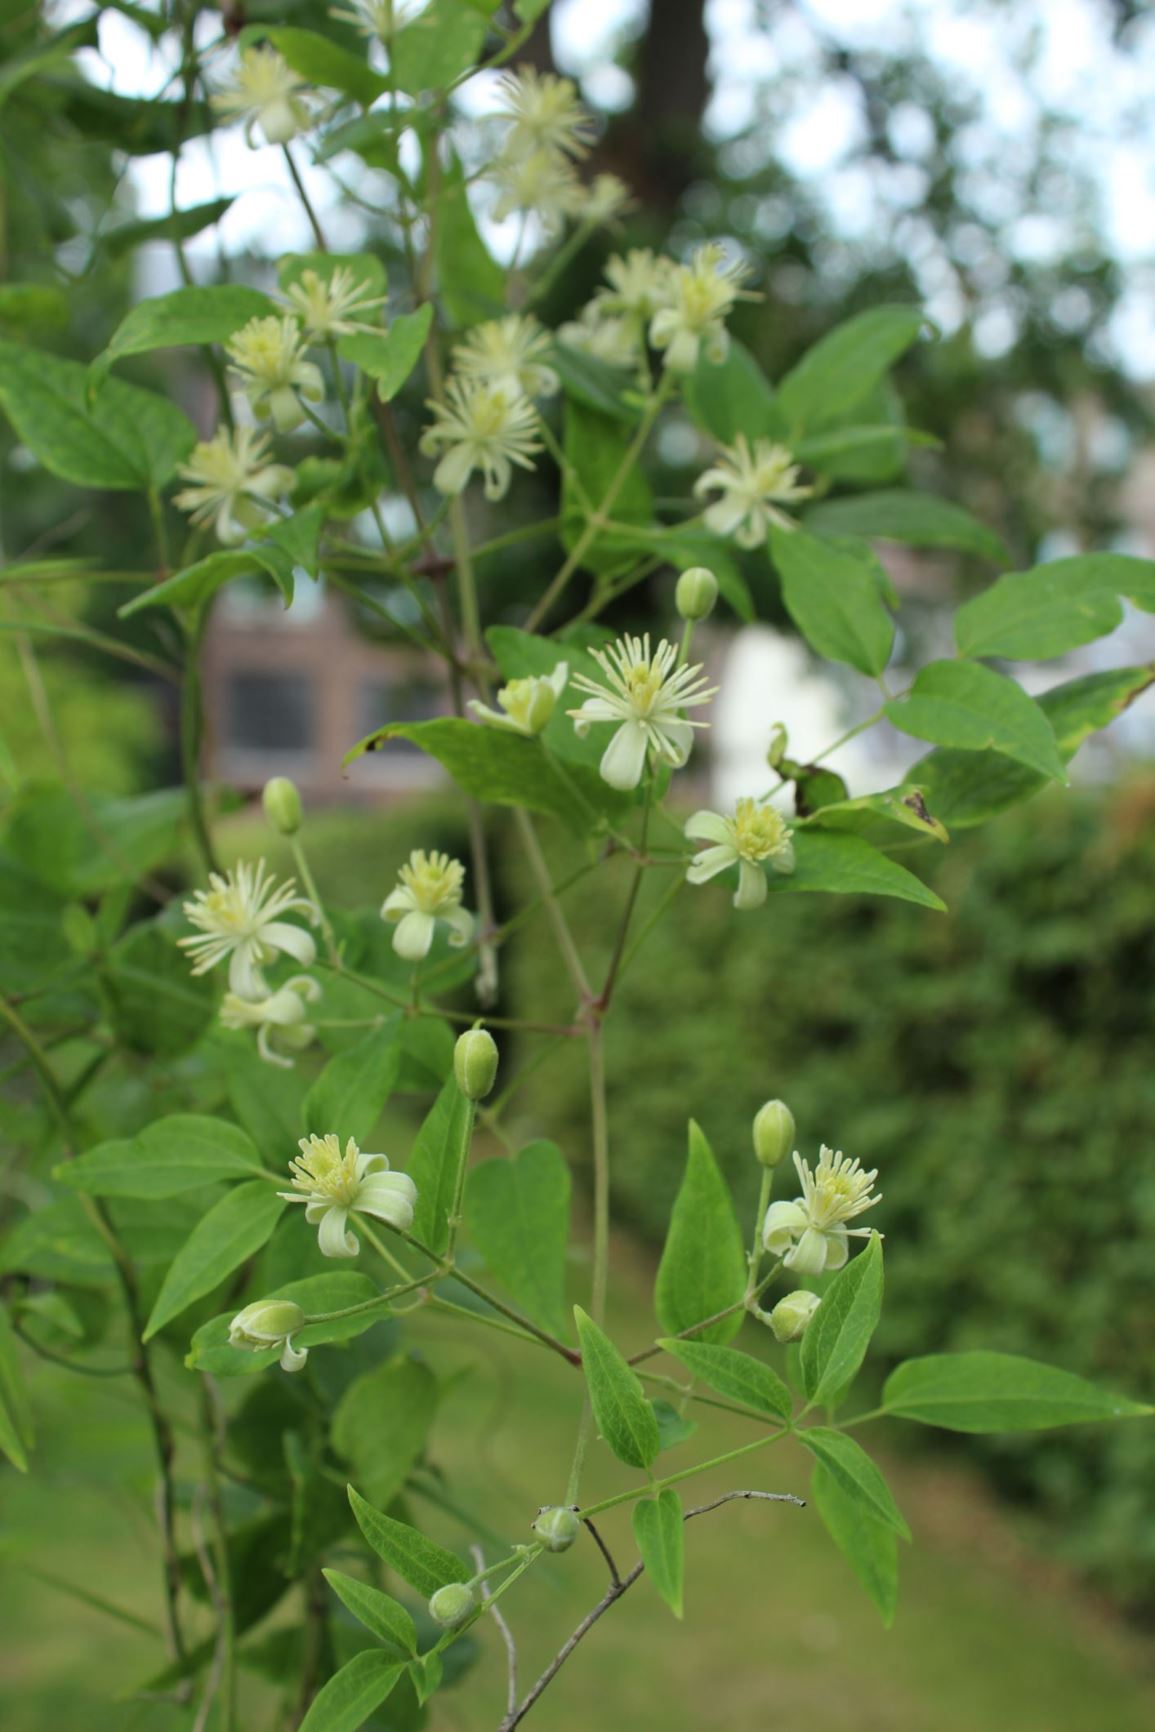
(773, 1133)
(270, 1323)
(776, 750)
(452, 1604)
(475, 1063)
(557, 1528)
(282, 805)
(791, 1315)
(696, 593)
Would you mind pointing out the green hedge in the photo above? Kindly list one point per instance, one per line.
(997, 1065)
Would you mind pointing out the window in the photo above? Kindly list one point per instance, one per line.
(270, 711)
(404, 697)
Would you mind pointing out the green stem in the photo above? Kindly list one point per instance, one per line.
(191, 732)
(686, 1473)
(470, 1119)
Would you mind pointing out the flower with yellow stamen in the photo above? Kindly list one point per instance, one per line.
(810, 1234)
(334, 1185)
(428, 890)
(645, 693)
(231, 483)
(265, 93)
(510, 354)
(752, 481)
(240, 917)
(269, 366)
(527, 705)
(755, 835)
(544, 114)
(698, 298)
(326, 305)
(480, 426)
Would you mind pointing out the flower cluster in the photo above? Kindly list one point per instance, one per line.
(487, 420)
(678, 309)
(546, 133)
(269, 367)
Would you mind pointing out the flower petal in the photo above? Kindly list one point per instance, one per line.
(711, 826)
(333, 1239)
(414, 935)
(293, 940)
(710, 862)
(752, 887)
(624, 758)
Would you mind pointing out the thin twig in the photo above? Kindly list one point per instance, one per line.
(615, 1574)
(498, 1617)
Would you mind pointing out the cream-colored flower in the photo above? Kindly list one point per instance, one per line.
(334, 1186)
(240, 917)
(279, 1019)
(480, 426)
(269, 366)
(527, 705)
(428, 890)
(544, 114)
(752, 482)
(645, 694)
(266, 93)
(609, 337)
(541, 184)
(810, 1234)
(607, 196)
(637, 283)
(754, 835)
(231, 482)
(510, 354)
(326, 305)
(699, 297)
(380, 19)
(270, 1323)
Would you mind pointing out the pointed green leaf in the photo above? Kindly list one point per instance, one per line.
(867, 1544)
(918, 519)
(734, 396)
(188, 315)
(232, 1231)
(847, 865)
(381, 1424)
(441, 43)
(659, 1531)
(17, 1433)
(881, 819)
(834, 600)
(177, 225)
(350, 1094)
(471, 281)
(855, 1473)
(169, 1156)
(843, 367)
(736, 1375)
(517, 1214)
(353, 1693)
(969, 706)
(839, 1333)
(624, 1417)
(434, 1161)
(673, 1427)
(390, 357)
(596, 446)
(380, 1613)
(703, 1266)
(1053, 608)
(983, 1392)
(594, 383)
(418, 1561)
(322, 62)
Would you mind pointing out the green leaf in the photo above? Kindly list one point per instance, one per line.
(847, 866)
(838, 452)
(392, 356)
(703, 1266)
(189, 315)
(845, 366)
(155, 1004)
(196, 584)
(624, 1417)
(690, 545)
(472, 283)
(593, 382)
(894, 514)
(32, 306)
(659, 1531)
(596, 446)
(169, 1156)
(517, 1214)
(210, 1350)
(232, 1231)
(736, 1375)
(321, 61)
(969, 706)
(350, 1094)
(178, 225)
(434, 1162)
(82, 851)
(833, 599)
(868, 1545)
(734, 396)
(127, 440)
(969, 788)
(855, 1474)
(380, 1613)
(883, 819)
(297, 537)
(673, 1427)
(1051, 609)
(983, 1392)
(418, 1561)
(17, 1433)
(438, 46)
(839, 1333)
(353, 1693)
(504, 768)
(381, 1424)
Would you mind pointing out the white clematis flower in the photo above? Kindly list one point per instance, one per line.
(231, 482)
(270, 1323)
(326, 305)
(527, 705)
(637, 284)
(510, 354)
(480, 426)
(266, 94)
(755, 833)
(429, 890)
(240, 917)
(646, 693)
(269, 366)
(279, 1019)
(698, 298)
(810, 1234)
(607, 196)
(379, 18)
(334, 1186)
(609, 337)
(542, 184)
(752, 482)
(544, 113)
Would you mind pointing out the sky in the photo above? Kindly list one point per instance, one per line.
(978, 44)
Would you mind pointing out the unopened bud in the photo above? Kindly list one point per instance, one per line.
(452, 1604)
(475, 1063)
(773, 1133)
(696, 593)
(270, 1323)
(557, 1528)
(791, 1315)
(282, 805)
(776, 750)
